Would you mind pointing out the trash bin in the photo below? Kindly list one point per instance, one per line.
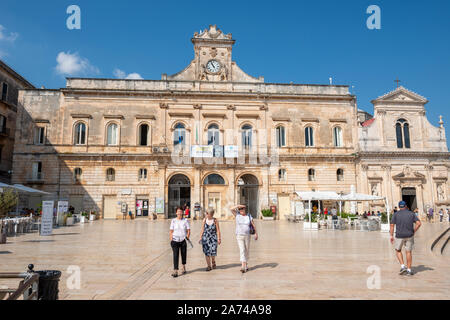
(48, 283)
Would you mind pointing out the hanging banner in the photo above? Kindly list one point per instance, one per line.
(231, 151)
(47, 218)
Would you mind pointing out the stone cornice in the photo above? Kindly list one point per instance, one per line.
(407, 154)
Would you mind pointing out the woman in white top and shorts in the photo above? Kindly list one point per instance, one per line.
(243, 221)
(179, 232)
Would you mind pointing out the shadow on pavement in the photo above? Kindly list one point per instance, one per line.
(222, 267)
(421, 268)
(264, 265)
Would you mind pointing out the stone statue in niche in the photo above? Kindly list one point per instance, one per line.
(440, 191)
(375, 190)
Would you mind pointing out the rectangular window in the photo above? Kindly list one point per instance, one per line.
(2, 124)
(4, 91)
(39, 135)
(37, 170)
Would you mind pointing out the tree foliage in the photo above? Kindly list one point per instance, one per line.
(8, 201)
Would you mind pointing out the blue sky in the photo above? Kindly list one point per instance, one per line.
(284, 41)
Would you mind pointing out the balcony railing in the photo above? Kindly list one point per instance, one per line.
(37, 177)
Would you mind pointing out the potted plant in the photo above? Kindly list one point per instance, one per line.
(313, 224)
(92, 216)
(83, 217)
(69, 220)
(267, 214)
(385, 224)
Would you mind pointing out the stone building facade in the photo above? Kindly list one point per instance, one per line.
(213, 135)
(10, 84)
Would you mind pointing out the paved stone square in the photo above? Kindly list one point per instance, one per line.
(133, 260)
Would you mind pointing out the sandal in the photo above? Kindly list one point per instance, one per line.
(242, 270)
(214, 265)
(175, 274)
(208, 268)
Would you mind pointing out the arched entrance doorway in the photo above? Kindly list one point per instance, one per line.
(179, 193)
(409, 196)
(214, 192)
(248, 193)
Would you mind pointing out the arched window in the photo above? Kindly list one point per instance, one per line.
(402, 133)
(143, 134)
(281, 137)
(282, 175)
(110, 174)
(213, 135)
(214, 179)
(309, 137)
(340, 174)
(112, 134)
(77, 174)
(142, 174)
(80, 134)
(311, 175)
(247, 136)
(179, 135)
(337, 137)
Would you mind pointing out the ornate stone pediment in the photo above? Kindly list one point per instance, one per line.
(409, 174)
(212, 33)
(401, 95)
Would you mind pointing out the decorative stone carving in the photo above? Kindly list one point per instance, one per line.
(231, 107)
(163, 105)
(364, 167)
(375, 191)
(440, 192)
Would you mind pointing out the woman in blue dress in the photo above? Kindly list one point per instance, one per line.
(210, 238)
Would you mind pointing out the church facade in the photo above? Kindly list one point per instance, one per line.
(213, 136)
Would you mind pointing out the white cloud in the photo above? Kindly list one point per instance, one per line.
(134, 76)
(11, 37)
(73, 64)
(120, 74)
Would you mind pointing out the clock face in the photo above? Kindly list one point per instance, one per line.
(213, 66)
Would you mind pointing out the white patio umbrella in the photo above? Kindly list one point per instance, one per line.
(316, 195)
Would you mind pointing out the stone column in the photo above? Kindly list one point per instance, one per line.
(387, 184)
(432, 190)
(364, 184)
(196, 188)
(419, 197)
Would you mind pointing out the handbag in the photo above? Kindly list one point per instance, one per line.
(252, 230)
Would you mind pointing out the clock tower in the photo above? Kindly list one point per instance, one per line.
(213, 51)
(212, 61)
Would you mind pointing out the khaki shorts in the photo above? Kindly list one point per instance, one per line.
(407, 242)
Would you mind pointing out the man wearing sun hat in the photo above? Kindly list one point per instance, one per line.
(407, 224)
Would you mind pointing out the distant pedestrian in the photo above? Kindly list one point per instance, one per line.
(407, 224)
(210, 238)
(244, 224)
(179, 232)
(430, 214)
(334, 211)
(186, 212)
(395, 209)
(325, 211)
(441, 214)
